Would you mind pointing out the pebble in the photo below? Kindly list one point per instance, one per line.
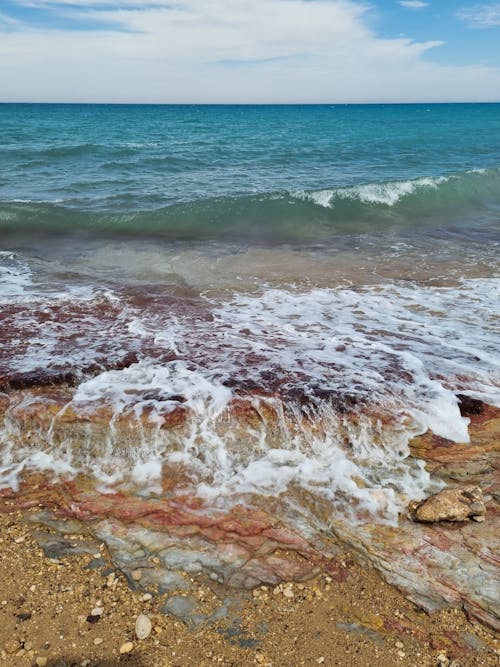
(401, 654)
(127, 647)
(142, 626)
(98, 640)
(136, 575)
(11, 646)
(321, 660)
(97, 611)
(288, 593)
(111, 580)
(41, 661)
(399, 644)
(146, 597)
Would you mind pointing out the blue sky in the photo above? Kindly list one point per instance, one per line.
(249, 50)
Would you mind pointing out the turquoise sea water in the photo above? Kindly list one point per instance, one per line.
(338, 259)
(275, 172)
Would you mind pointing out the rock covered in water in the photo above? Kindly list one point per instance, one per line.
(450, 505)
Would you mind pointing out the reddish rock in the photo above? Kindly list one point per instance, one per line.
(435, 565)
(450, 505)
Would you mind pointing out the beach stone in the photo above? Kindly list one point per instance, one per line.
(142, 626)
(450, 505)
(126, 647)
(93, 618)
(11, 646)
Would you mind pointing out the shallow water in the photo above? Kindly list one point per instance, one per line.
(333, 270)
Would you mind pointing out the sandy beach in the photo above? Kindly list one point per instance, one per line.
(79, 610)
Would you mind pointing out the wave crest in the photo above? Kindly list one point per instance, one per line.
(472, 196)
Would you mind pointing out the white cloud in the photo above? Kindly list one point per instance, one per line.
(227, 51)
(481, 16)
(7, 21)
(413, 4)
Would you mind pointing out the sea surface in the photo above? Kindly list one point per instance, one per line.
(323, 260)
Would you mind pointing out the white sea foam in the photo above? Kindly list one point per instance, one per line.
(388, 193)
(403, 352)
(15, 276)
(42, 338)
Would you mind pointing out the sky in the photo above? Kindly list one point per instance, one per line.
(249, 51)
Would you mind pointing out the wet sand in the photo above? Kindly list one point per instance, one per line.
(80, 610)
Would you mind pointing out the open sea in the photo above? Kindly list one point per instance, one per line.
(321, 260)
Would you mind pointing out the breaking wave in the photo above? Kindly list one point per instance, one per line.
(282, 215)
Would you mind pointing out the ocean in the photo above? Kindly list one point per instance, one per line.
(333, 269)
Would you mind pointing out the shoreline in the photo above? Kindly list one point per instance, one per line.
(47, 606)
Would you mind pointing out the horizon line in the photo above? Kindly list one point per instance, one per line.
(248, 104)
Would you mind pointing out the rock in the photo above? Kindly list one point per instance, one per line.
(146, 597)
(98, 640)
(41, 661)
(25, 616)
(136, 575)
(93, 618)
(435, 564)
(11, 646)
(142, 626)
(127, 647)
(450, 505)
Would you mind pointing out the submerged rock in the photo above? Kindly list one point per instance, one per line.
(450, 505)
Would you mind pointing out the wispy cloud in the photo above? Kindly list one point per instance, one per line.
(223, 51)
(7, 20)
(413, 4)
(481, 16)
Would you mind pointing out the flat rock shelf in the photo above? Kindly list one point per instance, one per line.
(153, 538)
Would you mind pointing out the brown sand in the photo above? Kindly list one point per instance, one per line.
(46, 618)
